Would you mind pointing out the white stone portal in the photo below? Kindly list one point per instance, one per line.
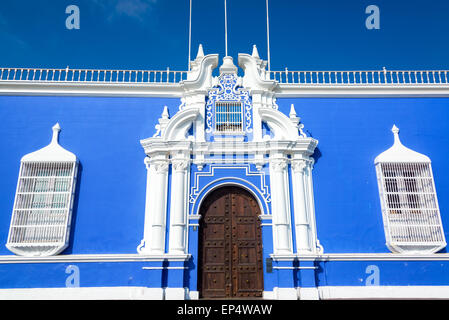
(173, 152)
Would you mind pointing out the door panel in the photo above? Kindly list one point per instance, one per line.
(230, 247)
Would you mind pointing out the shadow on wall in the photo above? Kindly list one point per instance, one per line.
(164, 276)
(189, 267)
(317, 153)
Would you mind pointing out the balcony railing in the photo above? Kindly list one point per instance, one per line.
(318, 78)
(92, 75)
(353, 78)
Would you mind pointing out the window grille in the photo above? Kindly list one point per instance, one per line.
(40, 222)
(228, 117)
(410, 209)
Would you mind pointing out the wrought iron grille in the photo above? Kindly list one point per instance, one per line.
(228, 117)
(42, 205)
(410, 204)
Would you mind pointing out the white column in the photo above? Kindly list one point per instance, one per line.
(302, 224)
(314, 242)
(280, 206)
(155, 207)
(147, 226)
(178, 205)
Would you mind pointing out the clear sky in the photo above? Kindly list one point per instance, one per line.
(153, 34)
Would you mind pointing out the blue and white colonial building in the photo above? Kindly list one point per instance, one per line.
(224, 181)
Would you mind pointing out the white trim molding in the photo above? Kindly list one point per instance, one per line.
(358, 293)
(83, 293)
(361, 257)
(81, 258)
(144, 293)
(383, 292)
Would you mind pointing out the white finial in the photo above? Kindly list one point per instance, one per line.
(255, 53)
(395, 131)
(295, 119)
(292, 111)
(56, 129)
(200, 53)
(165, 114)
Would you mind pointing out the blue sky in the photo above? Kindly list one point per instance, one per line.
(153, 34)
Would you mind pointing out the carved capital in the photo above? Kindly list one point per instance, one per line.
(299, 165)
(180, 164)
(278, 164)
(160, 166)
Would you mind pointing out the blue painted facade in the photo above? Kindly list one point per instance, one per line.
(108, 216)
(351, 133)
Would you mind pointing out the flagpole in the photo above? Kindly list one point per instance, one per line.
(226, 30)
(190, 34)
(268, 39)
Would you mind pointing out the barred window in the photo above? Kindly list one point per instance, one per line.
(40, 222)
(228, 117)
(410, 209)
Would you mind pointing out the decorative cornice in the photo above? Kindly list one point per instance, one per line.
(360, 91)
(175, 90)
(153, 90)
(304, 146)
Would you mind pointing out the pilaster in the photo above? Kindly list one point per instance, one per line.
(178, 205)
(155, 206)
(300, 206)
(280, 204)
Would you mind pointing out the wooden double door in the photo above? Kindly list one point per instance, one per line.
(230, 245)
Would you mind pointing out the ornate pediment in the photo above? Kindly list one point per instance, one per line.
(227, 108)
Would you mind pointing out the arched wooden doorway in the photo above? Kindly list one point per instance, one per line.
(230, 245)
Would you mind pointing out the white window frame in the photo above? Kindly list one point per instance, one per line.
(42, 212)
(410, 210)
